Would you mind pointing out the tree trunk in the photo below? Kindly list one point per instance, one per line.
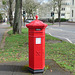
(59, 10)
(59, 16)
(54, 13)
(10, 13)
(18, 17)
(33, 16)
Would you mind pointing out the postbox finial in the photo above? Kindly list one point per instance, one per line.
(36, 17)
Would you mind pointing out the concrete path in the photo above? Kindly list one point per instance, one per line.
(3, 28)
(21, 68)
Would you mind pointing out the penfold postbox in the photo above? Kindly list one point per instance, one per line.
(36, 45)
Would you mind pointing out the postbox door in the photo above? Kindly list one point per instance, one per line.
(39, 53)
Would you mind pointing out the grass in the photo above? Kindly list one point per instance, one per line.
(48, 23)
(63, 53)
(16, 49)
(8, 23)
(10, 27)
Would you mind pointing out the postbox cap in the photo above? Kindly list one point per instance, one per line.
(36, 24)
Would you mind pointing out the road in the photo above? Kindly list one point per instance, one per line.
(64, 32)
(3, 28)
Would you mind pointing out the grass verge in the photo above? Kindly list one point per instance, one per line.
(16, 49)
(48, 23)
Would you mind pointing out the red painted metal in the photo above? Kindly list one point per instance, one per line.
(36, 44)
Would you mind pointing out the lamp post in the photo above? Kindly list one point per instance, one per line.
(24, 16)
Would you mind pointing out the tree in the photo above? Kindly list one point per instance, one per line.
(57, 3)
(59, 9)
(8, 7)
(5, 5)
(1, 17)
(10, 13)
(45, 10)
(18, 17)
(30, 6)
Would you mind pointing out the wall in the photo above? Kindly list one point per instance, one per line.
(72, 18)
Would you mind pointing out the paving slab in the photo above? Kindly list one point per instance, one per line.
(21, 68)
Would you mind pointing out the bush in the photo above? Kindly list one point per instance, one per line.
(1, 18)
(50, 20)
(56, 20)
(61, 20)
(46, 20)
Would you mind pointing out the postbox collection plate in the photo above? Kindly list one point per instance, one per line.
(38, 29)
(38, 40)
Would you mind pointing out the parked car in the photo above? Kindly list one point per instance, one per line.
(28, 21)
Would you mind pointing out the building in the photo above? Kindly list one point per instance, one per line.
(46, 10)
(65, 10)
(72, 13)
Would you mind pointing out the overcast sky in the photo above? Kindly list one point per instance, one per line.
(45, 0)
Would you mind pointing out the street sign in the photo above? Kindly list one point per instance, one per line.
(23, 12)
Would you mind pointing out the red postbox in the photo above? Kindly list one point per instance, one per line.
(36, 45)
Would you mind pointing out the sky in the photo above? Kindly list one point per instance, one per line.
(45, 0)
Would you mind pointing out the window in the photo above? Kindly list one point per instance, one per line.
(63, 14)
(72, 13)
(63, 9)
(72, 2)
(67, 3)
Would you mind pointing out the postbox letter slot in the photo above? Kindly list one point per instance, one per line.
(38, 40)
(38, 29)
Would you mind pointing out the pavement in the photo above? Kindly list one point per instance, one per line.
(3, 28)
(21, 68)
(66, 31)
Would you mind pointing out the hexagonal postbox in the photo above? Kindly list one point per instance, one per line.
(36, 45)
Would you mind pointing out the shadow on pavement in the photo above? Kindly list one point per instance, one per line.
(21, 68)
(14, 68)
